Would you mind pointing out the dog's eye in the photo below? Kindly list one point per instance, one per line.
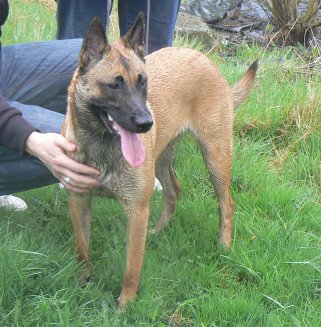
(113, 86)
(120, 79)
(142, 80)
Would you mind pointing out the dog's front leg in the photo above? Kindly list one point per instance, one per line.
(80, 210)
(136, 238)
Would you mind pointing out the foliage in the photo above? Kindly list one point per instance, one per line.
(292, 28)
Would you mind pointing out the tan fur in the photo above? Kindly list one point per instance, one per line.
(185, 91)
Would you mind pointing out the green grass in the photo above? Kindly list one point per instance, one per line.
(270, 277)
(29, 21)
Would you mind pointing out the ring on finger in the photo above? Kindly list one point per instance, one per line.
(67, 180)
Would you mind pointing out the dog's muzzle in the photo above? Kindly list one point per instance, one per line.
(143, 123)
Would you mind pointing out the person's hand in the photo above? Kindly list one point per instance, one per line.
(52, 150)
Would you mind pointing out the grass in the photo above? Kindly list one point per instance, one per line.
(270, 277)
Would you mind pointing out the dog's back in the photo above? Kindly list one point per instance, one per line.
(187, 91)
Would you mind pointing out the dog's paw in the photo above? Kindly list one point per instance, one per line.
(225, 242)
(155, 231)
(160, 226)
(121, 309)
(123, 302)
(127, 295)
(84, 279)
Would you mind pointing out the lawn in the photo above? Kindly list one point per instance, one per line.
(272, 274)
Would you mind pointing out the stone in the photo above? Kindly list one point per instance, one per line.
(192, 27)
(209, 10)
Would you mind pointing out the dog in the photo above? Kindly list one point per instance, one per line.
(124, 114)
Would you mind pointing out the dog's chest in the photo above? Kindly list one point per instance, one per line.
(119, 183)
(117, 179)
(114, 181)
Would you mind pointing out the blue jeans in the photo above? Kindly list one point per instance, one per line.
(74, 16)
(33, 77)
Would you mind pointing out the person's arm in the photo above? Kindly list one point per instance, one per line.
(14, 129)
(4, 10)
(17, 134)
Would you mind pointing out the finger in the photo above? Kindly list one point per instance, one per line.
(78, 180)
(81, 181)
(72, 188)
(72, 165)
(65, 144)
(70, 185)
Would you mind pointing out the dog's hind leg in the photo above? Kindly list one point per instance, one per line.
(217, 153)
(170, 184)
(80, 209)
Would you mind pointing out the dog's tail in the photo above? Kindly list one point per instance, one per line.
(242, 88)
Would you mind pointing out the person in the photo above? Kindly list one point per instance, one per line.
(73, 17)
(34, 78)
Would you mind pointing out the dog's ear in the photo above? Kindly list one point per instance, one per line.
(134, 38)
(94, 46)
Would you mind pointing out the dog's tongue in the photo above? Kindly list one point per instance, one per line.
(132, 147)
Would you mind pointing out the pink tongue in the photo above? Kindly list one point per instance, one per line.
(132, 147)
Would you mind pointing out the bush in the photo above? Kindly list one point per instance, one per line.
(292, 28)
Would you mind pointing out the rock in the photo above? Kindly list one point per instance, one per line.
(209, 10)
(234, 13)
(193, 27)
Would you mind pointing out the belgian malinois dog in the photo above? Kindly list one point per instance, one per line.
(124, 113)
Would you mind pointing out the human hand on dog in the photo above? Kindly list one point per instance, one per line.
(52, 150)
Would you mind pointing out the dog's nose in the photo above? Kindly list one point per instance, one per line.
(142, 123)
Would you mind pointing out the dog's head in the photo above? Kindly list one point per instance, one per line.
(111, 89)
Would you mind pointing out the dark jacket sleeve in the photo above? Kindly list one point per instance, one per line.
(14, 129)
(4, 9)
